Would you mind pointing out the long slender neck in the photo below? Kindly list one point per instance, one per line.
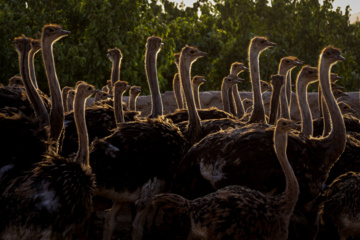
(70, 102)
(338, 132)
(292, 191)
(82, 155)
(118, 108)
(320, 100)
(240, 111)
(177, 91)
(194, 125)
(196, 90)
(132, 102)
(115, 73)
(306, 117)
(225, 98)
(284, 107)
(32, 67)
(274, 102)
(34, 97)
(150, 65)
(258, 113)
(326, 118)
(57, 110)
(288, 88)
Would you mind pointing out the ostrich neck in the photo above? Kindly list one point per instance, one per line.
(57, 111)
(320, 100)
(82, 155)
(337, 134)
(274, 102)
(34, 97)
(225, 98)
(306, 118)
(326, 118)
(196, 90)
(177, 91)
(240, 111)
(292, 191)
(150, 65)
(70, 103)
(115, 73)
(194, 125)
(118, 108)
(258, 113)
(32, 67)
(284, 107)
(288, 88)
(132, 102)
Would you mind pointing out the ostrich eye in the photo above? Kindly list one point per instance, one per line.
(51, 30)
(89, 88)
(328, 53)
(192, 51)
(311, 72)
(263, 41)
(284, 123)
(104, 94)
(287, 61)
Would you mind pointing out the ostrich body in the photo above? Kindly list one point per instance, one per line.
(237, 212)
(55, 196)
(134, 94)
(227, 92)
(121, 163)
(197, 81)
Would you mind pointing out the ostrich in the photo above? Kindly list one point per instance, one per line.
(54, 199)
(340, 206)
(35, 48)
(306, 76)
(227, 90)
(15, 81)
(65, 93)
(235, 212)
(235, 69)
(178, 93)
(134, 94)
(197, 81)
(70, 100)
(235, 162)
(101, 96)
(285, 67)
(125, 181)
(119, 88)
(115, 57)
(50, 34)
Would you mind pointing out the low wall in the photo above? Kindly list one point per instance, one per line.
(213, 98)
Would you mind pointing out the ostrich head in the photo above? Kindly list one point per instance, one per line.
(198, 80)
(114, 54)
(259, 44)
(54, 32)
(237, 67)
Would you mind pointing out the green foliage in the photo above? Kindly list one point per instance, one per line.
(222, 28)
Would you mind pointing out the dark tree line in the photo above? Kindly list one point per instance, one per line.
(223, 29)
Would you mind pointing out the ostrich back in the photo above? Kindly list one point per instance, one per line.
(181, 115)
(55, 196)
(136, 152)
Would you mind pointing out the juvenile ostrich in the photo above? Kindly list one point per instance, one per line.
(227, 92)
(237, 110)
(101, 96)
(285, 67)
(65, 93)
(121, 163)
(70, 100)
(311, 158)
(51, 34)
(234, 212)
(134, 94)
(54, 199)
(178, 92)
(197, 81)
(306, 76)
(15, 81)
(119, 89)
(115, 57)
(35, 48)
